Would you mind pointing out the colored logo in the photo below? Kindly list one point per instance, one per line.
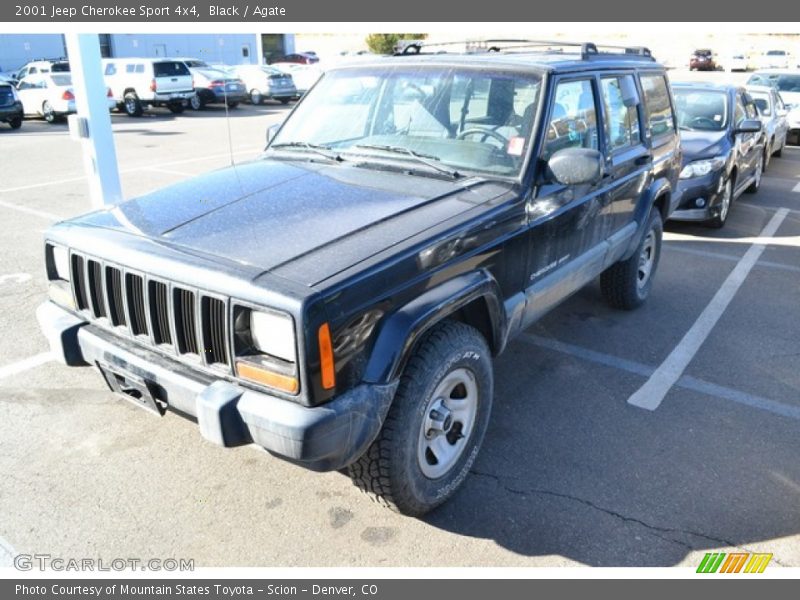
(735, 562)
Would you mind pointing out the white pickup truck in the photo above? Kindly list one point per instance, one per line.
(139, 82)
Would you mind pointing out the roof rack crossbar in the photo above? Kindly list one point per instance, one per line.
(588, 50)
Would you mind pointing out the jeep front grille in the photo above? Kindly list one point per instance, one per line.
(183, 321)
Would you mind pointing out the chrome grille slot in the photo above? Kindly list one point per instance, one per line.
(215, 334)
(96, 295)
(185, 319)
(79, 282)
(159, 312)
(116, 303)
(134, 287)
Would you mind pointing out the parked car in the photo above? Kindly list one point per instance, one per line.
(38, 67)
(703, 60)
(137, 83)
(338, 301)
(11, 110)
(214, 86)
(774, 59)
(723, 150)
(739, 62)
(265, 83)
(302, 58)
(51, 96)
(772, 112)
(303, 76)
(787, 82)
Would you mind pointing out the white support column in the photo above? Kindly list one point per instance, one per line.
(259, 49)
(99, 153)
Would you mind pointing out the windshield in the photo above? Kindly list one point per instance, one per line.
(444, 117)
(701, 110)
(783, 82)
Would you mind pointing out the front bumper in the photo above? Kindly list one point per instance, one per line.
(321, 438)
(12, 111)
(237, 95)
(707, 188)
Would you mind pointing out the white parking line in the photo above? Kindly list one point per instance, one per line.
(168, 171)
(25, 364)
(41, 184)
(15, 278)
(796, 188)
(31, 211)
(768, 264)
(652, 393)
(686, 382)
(7, 554)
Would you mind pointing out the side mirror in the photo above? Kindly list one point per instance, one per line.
(781, 112)
(576, 166)
(749, 126)
(272, 130)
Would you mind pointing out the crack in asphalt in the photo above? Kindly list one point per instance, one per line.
(652, 529)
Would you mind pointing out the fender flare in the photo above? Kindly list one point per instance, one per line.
(657, 189)
(404, 327)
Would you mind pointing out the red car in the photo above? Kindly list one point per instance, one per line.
(301, 58)
(702, 60)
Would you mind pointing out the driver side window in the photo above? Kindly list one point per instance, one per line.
(739, 113)
(573, 118)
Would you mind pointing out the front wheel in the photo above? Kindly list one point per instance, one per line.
(255, 97)
(627, 283)
(233, 104)
(196, 102)
(435, 426)
(285, 100)
(15, 122)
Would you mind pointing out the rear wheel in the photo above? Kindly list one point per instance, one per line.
(718, 222)
(15, 123)
(49, 113)
(176, 108)
(627, 283)
(285, 100)
(754, 187)
(196, 103)
(132, 105)
(233, 104)
(255, 97)
(435, 426)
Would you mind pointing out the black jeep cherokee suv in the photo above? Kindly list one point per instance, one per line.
(338, 301)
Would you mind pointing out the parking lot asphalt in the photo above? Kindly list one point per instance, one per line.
(570, 472)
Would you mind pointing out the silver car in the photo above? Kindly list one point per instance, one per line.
(772, 111)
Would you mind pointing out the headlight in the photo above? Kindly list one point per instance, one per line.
(61, 262)
(699, 168)
(273, 334)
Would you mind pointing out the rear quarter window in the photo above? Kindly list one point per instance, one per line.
(660, 115)
(170, 69)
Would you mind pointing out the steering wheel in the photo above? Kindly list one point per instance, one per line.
(485, 131)
(703, 123)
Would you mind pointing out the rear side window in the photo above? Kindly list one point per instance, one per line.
(60, 67)
(111, 69)
(170, 69)
(661, 119)
(622, 122)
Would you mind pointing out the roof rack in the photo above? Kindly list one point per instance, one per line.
(588, 50)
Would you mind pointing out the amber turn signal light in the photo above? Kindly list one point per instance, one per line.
(326, 357)
(266, 377)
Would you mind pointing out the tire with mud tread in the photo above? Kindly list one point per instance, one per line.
(627, 283)
(436, 423)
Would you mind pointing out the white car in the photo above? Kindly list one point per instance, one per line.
(774, 59)
(50, 95)
(787, 82)
(738, 62)
(772, 112)
(304, 76)
(139, 82)
(265, 83)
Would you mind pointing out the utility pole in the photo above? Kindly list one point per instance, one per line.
(93, 123)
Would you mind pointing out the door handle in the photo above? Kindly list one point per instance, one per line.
(643, 160)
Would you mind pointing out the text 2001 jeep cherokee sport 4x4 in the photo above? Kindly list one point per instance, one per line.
(339, 300)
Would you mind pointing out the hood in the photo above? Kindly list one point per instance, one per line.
(268, 213)
(703, 144)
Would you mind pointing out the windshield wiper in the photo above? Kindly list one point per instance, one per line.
(427, 159)
(318, 148)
